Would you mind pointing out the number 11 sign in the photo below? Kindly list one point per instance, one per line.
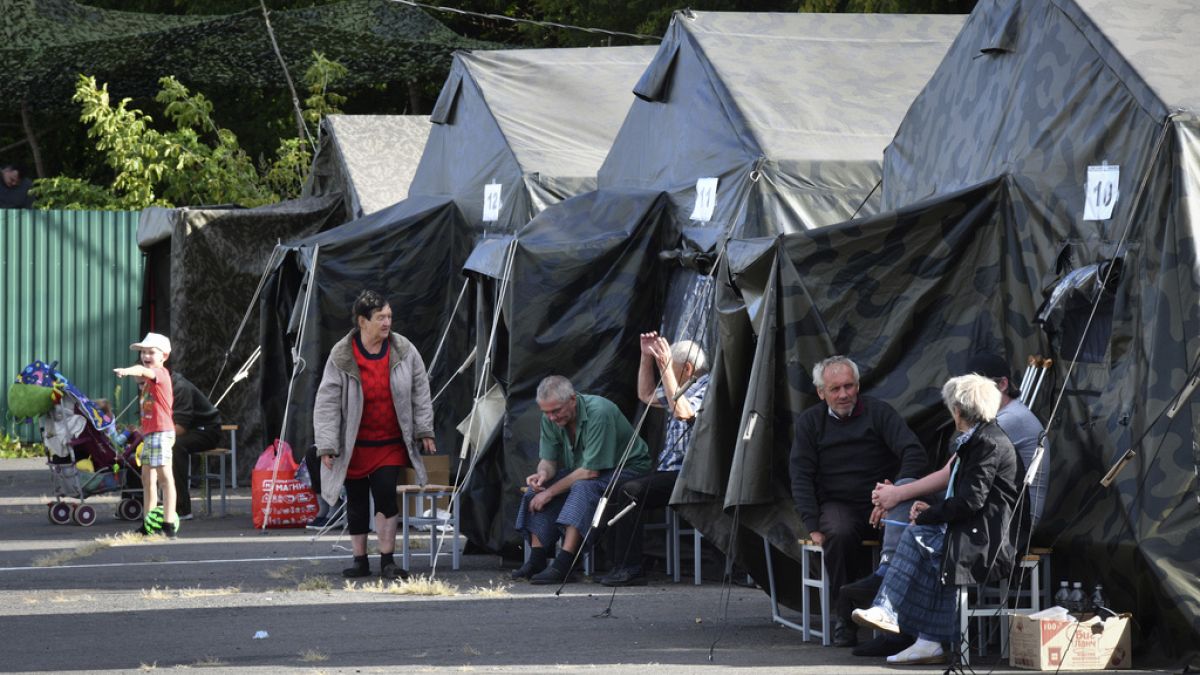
(1102, 191)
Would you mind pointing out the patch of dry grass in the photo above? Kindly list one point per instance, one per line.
(98, 544)
(313, 583)
(146, 667)
(417, 585)
(285, 572)
(165, 593)
(209, 662)
(313, 656)
(495, 589)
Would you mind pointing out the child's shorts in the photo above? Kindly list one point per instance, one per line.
(157, 447)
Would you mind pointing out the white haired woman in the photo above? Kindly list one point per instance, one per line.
(961, 540)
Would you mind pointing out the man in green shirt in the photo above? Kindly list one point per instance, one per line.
(583, 438)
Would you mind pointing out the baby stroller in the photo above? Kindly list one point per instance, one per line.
(85, 453)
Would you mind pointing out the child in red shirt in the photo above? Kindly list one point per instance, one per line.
(158, 430)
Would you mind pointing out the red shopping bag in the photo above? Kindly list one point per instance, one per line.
(293, 503)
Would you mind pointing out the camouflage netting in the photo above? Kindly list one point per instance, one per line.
(48, 43)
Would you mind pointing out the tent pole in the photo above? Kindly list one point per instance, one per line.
(298, 366)
(262, 281)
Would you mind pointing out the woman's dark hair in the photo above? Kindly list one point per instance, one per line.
(368, 303)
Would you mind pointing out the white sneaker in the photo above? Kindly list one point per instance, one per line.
(877, 618)
(921, 652)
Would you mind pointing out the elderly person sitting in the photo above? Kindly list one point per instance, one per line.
(582, 440)
(962, 540)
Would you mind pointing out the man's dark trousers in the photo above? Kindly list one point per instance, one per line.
(194, 440)
(652, 491)
(845, 527)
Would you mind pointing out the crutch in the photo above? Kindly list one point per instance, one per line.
(1027, 378)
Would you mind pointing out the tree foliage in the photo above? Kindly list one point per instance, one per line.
(196, 161)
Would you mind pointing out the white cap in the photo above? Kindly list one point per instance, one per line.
(153, 341)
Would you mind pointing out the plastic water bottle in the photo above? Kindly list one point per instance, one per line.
(1063, 597)
(1099, 602)
(1078, 599)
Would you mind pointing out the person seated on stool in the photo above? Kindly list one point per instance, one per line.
(682, 367)
(965, 539)
(843, 447)
(582, 440)
(197, 428)
(1022, 428)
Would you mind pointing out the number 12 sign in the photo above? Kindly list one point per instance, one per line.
(1102, 191)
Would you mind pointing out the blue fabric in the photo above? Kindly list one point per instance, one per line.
(575, 508)
(913, 592)
(679, 432)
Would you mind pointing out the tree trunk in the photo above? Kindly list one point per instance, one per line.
(27, 122)
(414, 97)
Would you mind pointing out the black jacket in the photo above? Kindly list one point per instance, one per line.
(980, 533)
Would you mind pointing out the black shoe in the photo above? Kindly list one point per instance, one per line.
(845, 634)
(361, 568)
(558, 572)
(393, 572)
(553, 574)
(885, 644)
(536, 563)
(624, 577)
(171, 530)
(527, 570)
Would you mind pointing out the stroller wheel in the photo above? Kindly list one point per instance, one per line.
(60, 513)
(129, 509)
(85, 515)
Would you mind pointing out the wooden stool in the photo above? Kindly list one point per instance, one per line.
(206, 474)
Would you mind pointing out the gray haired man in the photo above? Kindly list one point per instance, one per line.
(843, 447)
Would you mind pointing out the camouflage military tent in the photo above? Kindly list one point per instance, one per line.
(537, 122)
(197, 255)
(789, 112)
(991, 242)
(370, 159)
(534, 122)
(585, 280)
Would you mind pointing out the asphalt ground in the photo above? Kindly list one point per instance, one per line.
(76, 599)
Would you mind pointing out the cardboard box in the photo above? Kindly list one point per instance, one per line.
(1055, 644)
(438, 468)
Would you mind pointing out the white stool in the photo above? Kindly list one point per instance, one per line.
(674, 534)
(987, 606)
(421, 494)
(814, 577)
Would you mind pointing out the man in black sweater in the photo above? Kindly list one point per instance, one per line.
(197, 428)
(843, 447)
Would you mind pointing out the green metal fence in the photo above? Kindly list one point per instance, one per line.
(71, 284)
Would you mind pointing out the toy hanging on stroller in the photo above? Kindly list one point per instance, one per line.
(85, 453)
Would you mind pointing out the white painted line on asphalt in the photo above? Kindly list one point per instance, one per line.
(172, 562)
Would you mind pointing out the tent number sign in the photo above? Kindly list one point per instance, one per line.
(706, 199)
(491, 202)
(1101, 192)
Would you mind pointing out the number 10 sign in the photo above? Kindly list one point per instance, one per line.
(1102, 191)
